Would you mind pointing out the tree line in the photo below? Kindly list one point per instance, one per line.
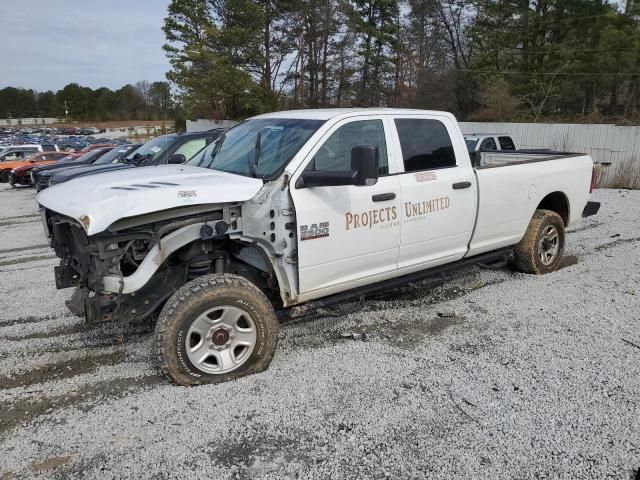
(142, 101)
(481, 59)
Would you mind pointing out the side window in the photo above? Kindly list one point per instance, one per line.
(335, 153)
(488, 144)
(191, 147)
(506, 143)
(425, 144)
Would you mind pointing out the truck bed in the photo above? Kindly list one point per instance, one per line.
(481, 160)
(507, 197)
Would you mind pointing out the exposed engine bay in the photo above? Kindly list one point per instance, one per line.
(160, 252)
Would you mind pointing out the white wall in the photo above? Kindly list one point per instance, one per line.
(615, 148)
(16, 122)
(202, 125)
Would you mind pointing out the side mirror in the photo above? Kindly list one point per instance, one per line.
(177, 158)
(364, 171)
(326, 178)
(365, 161)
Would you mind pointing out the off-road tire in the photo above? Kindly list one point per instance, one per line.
(4, 175)
(526, 253)
(194, 298)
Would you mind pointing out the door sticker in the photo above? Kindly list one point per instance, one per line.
(425, 176)
(370, 218)
(388, 217)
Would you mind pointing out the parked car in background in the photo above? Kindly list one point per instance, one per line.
(43, 158)
(44, 179)
(20, 152)
(23, 175)
(93, 146)
(173, 149)
(84, 159)
(477, 142)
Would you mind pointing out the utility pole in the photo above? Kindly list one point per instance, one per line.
(66, 112)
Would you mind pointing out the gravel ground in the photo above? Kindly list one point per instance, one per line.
(531, 377)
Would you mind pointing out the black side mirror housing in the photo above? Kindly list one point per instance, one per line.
(177, 158)
(326, 178)
(365, 161)
(364, 171)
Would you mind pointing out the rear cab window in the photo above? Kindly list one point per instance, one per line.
(506, 143)
(488, 144)
(425, 144)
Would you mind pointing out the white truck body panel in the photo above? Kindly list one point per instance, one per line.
(509, 195)
(426, 218)
(108, 197)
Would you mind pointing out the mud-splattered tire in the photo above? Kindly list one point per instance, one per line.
(214, 329)
(4, 175)
(540, 250)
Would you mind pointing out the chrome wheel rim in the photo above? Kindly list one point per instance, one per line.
(221, 339)
(548, 245)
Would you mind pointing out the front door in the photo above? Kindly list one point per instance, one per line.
(347, 235)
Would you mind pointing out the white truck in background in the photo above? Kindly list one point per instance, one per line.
(294, 210)
(477, 142)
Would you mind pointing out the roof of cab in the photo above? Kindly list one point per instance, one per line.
(327, 113)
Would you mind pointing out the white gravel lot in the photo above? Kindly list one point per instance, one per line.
(534, 377)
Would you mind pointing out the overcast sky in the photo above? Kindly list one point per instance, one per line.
(48, 44)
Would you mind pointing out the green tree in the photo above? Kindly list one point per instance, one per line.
(375, 24)
(17, 103)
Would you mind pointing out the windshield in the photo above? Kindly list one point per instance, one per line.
(471, 144)
(83, 157)
(152, 149)
(257, 148)
(114, 156)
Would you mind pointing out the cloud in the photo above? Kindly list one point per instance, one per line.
(47, 45)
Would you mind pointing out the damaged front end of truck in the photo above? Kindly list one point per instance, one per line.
(106, 268)
(126, 267)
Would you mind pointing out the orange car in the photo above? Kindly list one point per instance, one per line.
(41, 158)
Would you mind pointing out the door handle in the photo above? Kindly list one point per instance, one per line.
(383, 197)
(461, 185)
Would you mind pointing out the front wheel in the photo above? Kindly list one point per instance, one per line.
(540, 250)
(4, 175)
(215, 328)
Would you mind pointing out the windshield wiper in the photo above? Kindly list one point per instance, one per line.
(135, 157)
(254, 164)
(216, 149)
(142, 159)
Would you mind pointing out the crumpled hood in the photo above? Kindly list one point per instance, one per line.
(111, 196)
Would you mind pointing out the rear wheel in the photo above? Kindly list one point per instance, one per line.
(540, 250)
(4, 175)
(215, 328)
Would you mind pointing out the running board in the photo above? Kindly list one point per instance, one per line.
(501, 255)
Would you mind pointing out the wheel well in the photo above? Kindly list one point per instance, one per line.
(556, 202)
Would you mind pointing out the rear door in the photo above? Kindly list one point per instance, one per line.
(438, 191)
(348, 235)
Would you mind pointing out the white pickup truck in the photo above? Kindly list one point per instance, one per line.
(294, 210)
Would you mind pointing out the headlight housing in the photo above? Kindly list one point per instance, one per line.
(85, 221)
